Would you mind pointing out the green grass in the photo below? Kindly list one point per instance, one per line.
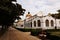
(55, 32)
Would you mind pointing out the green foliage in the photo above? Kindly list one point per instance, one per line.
(24, 30)
(9, 12)
(52, 30)
(56, 15)
(34, 32)
(58, 11)
(7, 0)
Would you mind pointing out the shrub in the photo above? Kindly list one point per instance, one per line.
(24, 29)
(34, 32)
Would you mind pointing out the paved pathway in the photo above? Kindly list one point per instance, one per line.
(13, 34)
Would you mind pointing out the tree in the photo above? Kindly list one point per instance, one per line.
(56, 15)
(9, 12)
(58, 11)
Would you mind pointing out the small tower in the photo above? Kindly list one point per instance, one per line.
(28, 15)
(49, 14)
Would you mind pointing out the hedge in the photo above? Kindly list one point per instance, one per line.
(35, 32)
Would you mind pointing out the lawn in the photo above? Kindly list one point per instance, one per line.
(56, 33)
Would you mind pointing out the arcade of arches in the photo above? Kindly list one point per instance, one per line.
(51, 22)
(38, 23)
(46, 23)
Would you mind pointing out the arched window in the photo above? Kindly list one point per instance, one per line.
(34, 23)
(47, 23)
(52, 23)
(38, 23)
(31, 24)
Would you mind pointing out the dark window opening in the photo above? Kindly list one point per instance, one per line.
(39, 23)
(52, 23)
(47, 23)
(34, 23)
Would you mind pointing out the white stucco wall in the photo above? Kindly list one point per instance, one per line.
(35, 19)
(20, 24)
(58, 23)
(43, 24)
(43, 20)
(48, 18)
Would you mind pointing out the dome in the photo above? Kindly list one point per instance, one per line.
(28, 15)
(49, 14)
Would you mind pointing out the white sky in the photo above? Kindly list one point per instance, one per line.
(34, 6)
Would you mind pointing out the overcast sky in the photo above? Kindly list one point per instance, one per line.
(34, 6)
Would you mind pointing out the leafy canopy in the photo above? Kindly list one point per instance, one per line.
(9, 12)
(57, 15)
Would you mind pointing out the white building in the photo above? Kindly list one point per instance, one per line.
(39, 21)
(44, 22)
(19, 24)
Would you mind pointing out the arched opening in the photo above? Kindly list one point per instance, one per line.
(34, 23)
(38, 23)
(47, 23)
(52, 23)
(31, 24)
